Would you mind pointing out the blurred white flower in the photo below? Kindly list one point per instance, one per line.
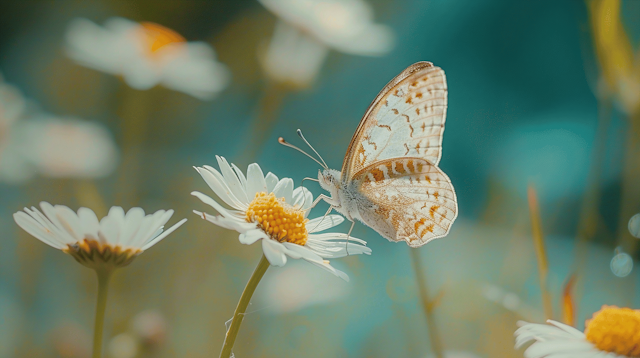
(634, 226)
(124, 345)
(113, 241)
(38, 143)
(611, 333)
(307, 29)
(150, 326)
(270, 210)
(297, 286)
(147, 54)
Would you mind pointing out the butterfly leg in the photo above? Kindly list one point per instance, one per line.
(346, 245)
(328, 199)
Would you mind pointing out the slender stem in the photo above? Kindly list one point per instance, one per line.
(238, 315)
(427, 305)
(541, 253)
(103, 288)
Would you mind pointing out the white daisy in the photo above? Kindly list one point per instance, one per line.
(33, 142)
(612, 333)
(112, 242)
(270, 210)
(147, 54)
(307, 29)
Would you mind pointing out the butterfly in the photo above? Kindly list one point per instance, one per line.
(390, 179)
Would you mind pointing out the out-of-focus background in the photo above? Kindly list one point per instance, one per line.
(542, 95)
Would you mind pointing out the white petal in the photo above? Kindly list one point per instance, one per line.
(238, 225)
(69, 221)
(207, 200)
(271, 180)
(57, 232)
(568, 329)
(243, 179)
(324, 223)
(90, 223)
(284, 189)
(117, 213)
(274, 252)
(232, 180)
(302, 198)
(216, 182)
(252, 236)
(132, 223)
(255, 181)
(163, 235)
(146, 235)
(108, 230)
(30, 225)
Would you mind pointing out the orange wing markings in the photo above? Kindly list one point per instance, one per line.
(406, 146)
(410, 83)
(384, 126)
(368, 139)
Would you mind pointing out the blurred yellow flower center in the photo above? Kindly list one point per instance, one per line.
(159, 36)
(616, 330)
(97, 255)
(279, 220)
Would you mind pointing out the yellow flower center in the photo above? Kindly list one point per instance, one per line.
(96, 255)
(279, 220)
(159, 36)
(616, 330)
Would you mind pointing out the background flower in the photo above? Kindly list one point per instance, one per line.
(145, 55)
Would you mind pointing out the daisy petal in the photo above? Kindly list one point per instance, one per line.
(164, 234)
(274, 252)
(271, 180)
(324, 223)
(284, 189)
(252, 236)
(255, 181)
(232, 180)
(215, 181)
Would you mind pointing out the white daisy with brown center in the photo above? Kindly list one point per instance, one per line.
(104, 245)
(269, 210)
(147, 54)
(109, 243)
(613, 332)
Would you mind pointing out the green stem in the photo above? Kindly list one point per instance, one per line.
(427, 306)
(238, 315)
(101, 305)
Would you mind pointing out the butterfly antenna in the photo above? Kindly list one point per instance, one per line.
(312, 148)
(287, 144)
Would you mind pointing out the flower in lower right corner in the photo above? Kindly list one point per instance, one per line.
(613, 332)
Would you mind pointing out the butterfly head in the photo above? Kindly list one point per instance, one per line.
(329, 180)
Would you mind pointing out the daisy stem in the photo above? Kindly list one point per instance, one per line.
(238, 315)
(101, 305)
(427, 305)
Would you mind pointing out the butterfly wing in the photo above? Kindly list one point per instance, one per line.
(406, 119)
(407, 199)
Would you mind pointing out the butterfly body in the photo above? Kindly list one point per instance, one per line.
(390, 179)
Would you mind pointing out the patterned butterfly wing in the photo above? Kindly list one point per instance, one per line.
(405, 120)
(410, 199)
